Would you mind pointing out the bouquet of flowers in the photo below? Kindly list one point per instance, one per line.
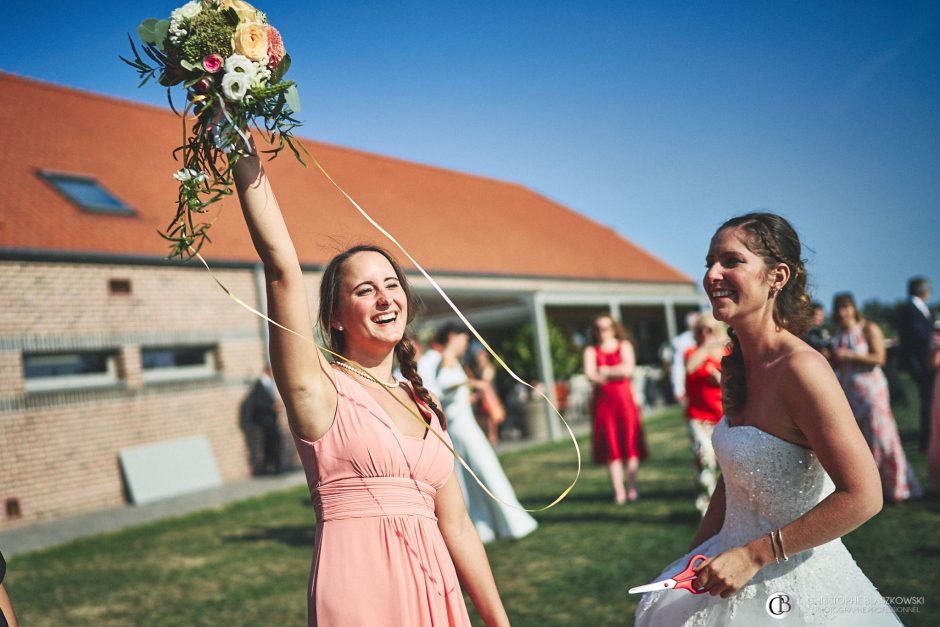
(231, 63)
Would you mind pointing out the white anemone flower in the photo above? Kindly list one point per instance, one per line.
(240, 64)
(188, 174)
(235, 85)
(188, 10)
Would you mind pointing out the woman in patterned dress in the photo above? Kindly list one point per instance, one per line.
(858, 353)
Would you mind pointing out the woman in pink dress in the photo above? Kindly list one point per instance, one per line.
(618, 436)
(392, 534)
(858, 352)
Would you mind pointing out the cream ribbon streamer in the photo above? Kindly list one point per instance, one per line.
(462, 318)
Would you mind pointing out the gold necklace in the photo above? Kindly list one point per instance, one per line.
(364, 375)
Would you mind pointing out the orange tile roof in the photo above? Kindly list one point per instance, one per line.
(451, 222)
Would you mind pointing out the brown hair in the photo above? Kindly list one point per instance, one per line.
(774, 239)
(619, 332)
(845, 298)
(336, 341)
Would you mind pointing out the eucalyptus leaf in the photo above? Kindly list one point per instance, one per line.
(153, 31)
(293, 98)
(280, 70)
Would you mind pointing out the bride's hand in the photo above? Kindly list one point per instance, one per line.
(727, 572)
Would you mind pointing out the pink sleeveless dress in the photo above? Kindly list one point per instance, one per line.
(379, 557)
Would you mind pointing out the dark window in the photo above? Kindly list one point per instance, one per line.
(87, 193)
(119, 286)
(176, 363)
(62, 371)
(64, 364)
(174, 357)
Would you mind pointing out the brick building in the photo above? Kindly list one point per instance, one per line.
(105, 345)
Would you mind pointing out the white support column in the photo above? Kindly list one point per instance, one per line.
(614, 308)
(670, 308)
(546, 371)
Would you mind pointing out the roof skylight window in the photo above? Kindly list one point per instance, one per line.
(87, 193)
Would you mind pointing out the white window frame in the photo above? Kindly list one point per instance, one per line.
(55, 383)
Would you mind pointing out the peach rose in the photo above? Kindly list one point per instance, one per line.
(250, 40)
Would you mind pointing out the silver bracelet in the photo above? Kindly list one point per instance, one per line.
(773, 547)
(783, 551)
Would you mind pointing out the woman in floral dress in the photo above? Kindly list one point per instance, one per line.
(858, 354)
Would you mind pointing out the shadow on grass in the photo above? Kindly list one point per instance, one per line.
(623, 515)
(646, 497)
(291, 535)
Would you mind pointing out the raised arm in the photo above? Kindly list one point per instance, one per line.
(298, 366)
(466, 550)
(814, 400)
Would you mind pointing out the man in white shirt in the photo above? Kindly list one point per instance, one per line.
(680, 344)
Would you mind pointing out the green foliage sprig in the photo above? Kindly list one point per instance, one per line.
(231, 65)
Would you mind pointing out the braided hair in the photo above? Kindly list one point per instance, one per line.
(336, 341)
(774, 239)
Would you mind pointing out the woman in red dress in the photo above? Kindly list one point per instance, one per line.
(703, 408)
(618, 436)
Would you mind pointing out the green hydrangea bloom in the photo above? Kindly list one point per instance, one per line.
(209, 32)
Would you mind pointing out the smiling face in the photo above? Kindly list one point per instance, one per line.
(372, 306)
(737, 280)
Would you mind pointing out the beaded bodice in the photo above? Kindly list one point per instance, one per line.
(768, 481)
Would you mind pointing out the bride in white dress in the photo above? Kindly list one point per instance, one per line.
(797, 474)
(443, 374)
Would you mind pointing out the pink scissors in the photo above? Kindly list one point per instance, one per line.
(681, 580)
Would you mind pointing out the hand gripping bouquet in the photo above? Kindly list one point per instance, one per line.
(231, 63)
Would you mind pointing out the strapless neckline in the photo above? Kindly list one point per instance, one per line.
(728, 424)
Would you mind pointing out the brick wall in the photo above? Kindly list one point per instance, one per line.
(59, 449)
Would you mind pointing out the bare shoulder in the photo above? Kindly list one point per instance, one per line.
(872, 330)
(811, 393)
(804, 365)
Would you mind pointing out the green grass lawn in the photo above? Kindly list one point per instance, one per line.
(247, 563)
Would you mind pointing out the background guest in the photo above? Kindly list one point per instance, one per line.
(703, 407)
(858, 353)
(487, 405)
(933, 451)
(492, 519)
(680, 344)
(915, 326)
(618, 435)
(263, 409)
(818, 335)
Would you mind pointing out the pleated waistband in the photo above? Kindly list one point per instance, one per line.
(367, 497)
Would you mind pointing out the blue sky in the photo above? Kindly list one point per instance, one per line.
(659, 120)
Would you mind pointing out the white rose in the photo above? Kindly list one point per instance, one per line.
(240, 64)
(235, 85)
(188, 10)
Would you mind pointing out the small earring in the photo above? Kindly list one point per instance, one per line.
(339, 327)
